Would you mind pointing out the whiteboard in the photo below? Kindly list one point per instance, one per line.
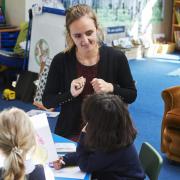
(47, 39)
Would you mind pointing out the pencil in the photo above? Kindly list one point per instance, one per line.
(62, 162)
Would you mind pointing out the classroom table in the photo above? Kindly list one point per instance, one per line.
(56, 139)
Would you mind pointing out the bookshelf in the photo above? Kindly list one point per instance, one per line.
(175, 35)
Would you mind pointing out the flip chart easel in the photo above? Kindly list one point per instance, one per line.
(47, 37)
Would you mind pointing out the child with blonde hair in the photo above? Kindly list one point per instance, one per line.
(17, 143)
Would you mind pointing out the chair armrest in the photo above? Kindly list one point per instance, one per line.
(171, 97)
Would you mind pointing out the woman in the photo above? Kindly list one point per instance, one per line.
(85, 67)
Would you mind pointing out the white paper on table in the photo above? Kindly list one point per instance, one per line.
(48, 173)
(2, 158)
(34, 112)
(65, 147)
(69, 172)
(45, 139)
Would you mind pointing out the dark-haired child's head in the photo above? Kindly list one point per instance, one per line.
(109, 123)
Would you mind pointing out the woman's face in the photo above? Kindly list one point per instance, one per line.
(83, 32)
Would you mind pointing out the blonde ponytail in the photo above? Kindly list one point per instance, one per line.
(14, 166)
(17, 137)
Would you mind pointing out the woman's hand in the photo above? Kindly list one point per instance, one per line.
(100, 86)
(77, 86)
(59, 163)
(84, 128)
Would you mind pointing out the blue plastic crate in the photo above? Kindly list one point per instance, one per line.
(7, 49)
(9, 35)
(8, 43)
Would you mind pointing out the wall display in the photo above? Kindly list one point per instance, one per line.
(130, 14)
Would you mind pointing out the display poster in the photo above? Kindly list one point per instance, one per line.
(47, 39)
(120, 12)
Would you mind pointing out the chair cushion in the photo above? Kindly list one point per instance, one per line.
(173, 118)
(172, 141)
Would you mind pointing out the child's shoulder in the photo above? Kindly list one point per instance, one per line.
(37, 173)
(1, 172)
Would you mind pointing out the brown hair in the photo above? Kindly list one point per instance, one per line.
(109, 123)
(17, 138)
(73, 14)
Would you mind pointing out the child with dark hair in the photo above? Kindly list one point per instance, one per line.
(106, 147)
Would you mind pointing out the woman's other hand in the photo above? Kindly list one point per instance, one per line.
(77, 86)
(100, 86)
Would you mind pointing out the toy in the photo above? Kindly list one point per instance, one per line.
(8, 94)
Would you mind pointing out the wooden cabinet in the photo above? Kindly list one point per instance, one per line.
(175, 35)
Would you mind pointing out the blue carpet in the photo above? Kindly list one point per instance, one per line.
(147, 111)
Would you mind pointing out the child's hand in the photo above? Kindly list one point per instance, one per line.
(59, 163)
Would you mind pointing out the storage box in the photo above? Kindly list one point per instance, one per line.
(9, 35)
(8, 40)
(160, 49)
(133, 52)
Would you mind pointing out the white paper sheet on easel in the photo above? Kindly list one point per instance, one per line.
(69, 172)
(45, 140)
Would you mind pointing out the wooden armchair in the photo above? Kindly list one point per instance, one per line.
(170, 131)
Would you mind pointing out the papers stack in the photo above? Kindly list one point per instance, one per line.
(65, 147)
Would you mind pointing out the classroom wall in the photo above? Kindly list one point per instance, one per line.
(15, 11)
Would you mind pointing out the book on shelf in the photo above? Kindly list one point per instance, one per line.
(178, 15)
(177, 39)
